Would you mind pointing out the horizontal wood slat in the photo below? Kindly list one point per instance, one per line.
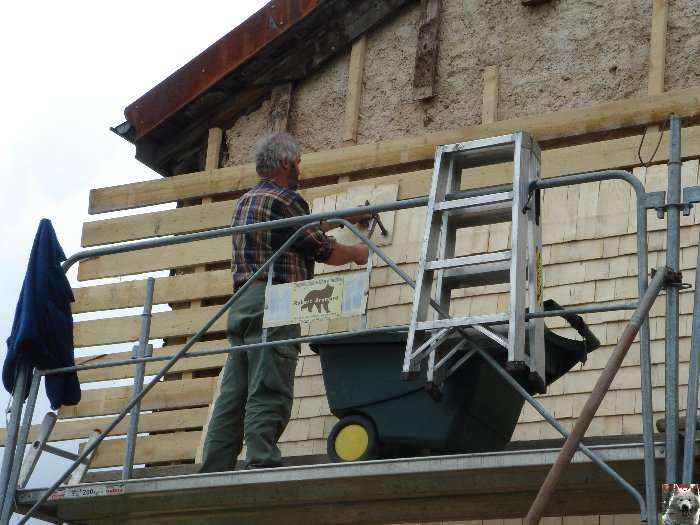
(163, 324)
(184, 364)
(165, 395)
(190, 418)
(155, 259)
(393, 153)
(128, 294)
(610, 154)
(176, 446)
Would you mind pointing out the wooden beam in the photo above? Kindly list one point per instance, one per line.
(113, 330)
(185, 364)
(657, 47)
(426, 50)
(395, 153)
(149, 449)
(177, 256)
(280, 102)
(489, 108)
(214, 142)
(170, 289)
(354, 91)
(165, 395)
(190, 418)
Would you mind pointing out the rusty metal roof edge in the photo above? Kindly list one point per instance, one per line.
(218, 60)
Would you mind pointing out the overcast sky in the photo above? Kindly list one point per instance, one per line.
(69, 70)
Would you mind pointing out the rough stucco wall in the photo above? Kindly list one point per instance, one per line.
(318, 107)
(682, 45)
(244, 135)
(558, 55)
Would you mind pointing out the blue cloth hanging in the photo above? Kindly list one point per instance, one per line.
(42, 330)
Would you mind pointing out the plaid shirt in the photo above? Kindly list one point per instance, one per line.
(266, 201)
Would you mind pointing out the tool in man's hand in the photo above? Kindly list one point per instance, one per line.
(374, 222)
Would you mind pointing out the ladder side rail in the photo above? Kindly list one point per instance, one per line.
(446, 250)
(424, 279)
(518, 267)
(535, 327)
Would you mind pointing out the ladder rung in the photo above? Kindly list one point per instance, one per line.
(481, 275)
(469, 260)
(463, 321)
(475, 202)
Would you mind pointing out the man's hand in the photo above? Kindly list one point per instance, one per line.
(361, 253)
(362, 219)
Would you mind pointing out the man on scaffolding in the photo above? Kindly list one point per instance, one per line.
(257, 385)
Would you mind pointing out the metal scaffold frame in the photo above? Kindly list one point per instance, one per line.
(666, 277)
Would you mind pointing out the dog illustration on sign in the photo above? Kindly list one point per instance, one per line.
(318, 298)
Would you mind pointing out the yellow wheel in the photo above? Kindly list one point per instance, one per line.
(353, 438)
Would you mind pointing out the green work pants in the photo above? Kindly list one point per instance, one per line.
(257, 388)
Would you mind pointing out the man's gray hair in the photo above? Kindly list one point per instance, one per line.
(273, 149)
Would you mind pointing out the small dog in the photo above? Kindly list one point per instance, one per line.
(683, 506)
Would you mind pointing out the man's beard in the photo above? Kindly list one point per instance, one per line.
(293, 177)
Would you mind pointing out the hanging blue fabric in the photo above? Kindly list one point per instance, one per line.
(42, 330)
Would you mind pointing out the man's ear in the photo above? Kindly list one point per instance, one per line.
(285, 164)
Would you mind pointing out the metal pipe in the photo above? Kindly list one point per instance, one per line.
(13, 429)
(550, 419)
(224, 232)
(156, 379)
(644, 343)
(596, 397)
(139, 372)
(691, 413)
(582, 310)
(673, 225)
(12, 483)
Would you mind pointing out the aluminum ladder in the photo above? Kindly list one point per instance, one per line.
(450, 210)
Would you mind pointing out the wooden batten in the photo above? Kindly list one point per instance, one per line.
(155, 259)
(354, 92)
(128, 294)
(65, 429)
(426, 50)
(657, 47)
(165, 395)
(126, 329)
(158, 448)
(395, 153)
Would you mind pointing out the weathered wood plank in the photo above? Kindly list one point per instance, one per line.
(280, 102)
(165, 395)
(178, 446)
(392, 154)
(185, 364)
(489, 108)
(126, 329)
(190, 418)
(657, 47)
(426, 50)
(354, 92)
(127, 294)
(154, 259)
